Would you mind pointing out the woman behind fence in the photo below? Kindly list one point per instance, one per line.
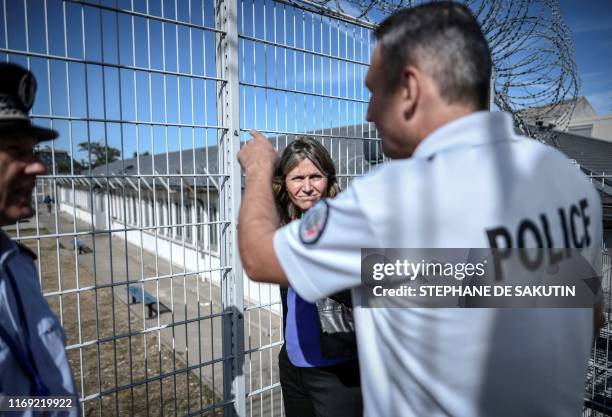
(319, 371)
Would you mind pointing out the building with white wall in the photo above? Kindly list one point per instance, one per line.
(168, 204)
(573, 116)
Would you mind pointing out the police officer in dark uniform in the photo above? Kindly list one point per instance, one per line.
(33, 359)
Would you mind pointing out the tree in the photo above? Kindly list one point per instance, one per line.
(100, 154)
(63, 166)
(145, 153)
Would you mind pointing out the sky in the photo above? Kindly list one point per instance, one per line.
(156, 89)
(590, 23)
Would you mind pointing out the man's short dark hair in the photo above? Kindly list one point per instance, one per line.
(444, 39)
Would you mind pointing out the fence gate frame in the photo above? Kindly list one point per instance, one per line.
(228, 111)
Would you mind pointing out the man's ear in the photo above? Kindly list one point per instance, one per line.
(410, 84)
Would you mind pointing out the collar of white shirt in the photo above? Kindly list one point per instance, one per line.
(474, 129)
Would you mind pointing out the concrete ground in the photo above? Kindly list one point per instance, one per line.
(192, 329)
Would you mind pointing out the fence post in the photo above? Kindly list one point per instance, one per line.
(228, 108)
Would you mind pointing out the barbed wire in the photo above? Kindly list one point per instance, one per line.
(534, 74)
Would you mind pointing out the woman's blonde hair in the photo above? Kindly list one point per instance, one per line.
(297, 151)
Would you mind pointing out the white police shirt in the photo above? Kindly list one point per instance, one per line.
(469, 176)
(47, 340)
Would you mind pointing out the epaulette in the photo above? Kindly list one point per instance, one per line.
(27, 251)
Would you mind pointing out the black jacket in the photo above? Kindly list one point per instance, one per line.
(336, 324)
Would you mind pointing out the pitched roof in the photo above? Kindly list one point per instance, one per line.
(346, 145)
(558, 113)
(594, 156)
(352, 155)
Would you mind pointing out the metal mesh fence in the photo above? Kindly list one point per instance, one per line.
(134, 220)
(598, 396)
(300, 73)
(129, 224)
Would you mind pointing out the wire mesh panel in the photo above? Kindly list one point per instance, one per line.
(132, 223)
(129, 224)
(302, 72)
(598, 396)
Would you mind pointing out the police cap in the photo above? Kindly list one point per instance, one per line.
(17, 91)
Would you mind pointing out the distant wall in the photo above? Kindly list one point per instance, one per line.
(596, 127)
(177, 252)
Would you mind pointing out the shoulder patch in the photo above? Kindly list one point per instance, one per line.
(313, 223)
(23, 248)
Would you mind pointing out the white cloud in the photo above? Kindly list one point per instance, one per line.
(591, 26)
(596, 75)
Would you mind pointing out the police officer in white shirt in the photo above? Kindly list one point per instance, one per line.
(33, 358)
(460, 178)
